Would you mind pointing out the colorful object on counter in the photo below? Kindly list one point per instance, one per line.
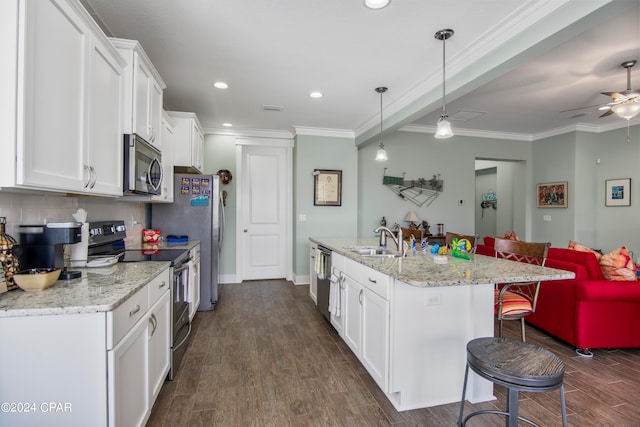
(443, 250)
(460, 248)
(150, 235)
(171, 238)
(435, 248)
(424, 245)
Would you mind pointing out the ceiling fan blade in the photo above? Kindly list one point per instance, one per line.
(607, 113)
(580, 108)
(614, 95)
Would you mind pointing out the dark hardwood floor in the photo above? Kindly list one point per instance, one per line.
(267, 357)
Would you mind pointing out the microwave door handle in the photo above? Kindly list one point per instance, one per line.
(155, 187)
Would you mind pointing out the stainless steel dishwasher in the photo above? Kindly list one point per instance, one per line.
(323, 274)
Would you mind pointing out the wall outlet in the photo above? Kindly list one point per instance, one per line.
(302, 217)
(432, 300)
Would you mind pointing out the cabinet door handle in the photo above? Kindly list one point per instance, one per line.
(372, 281)
(135, 310)
(360, 297)
(93, 175)
(154, 324)
(88, 174)
(162, 285)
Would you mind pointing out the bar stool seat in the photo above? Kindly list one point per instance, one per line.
(516, 365)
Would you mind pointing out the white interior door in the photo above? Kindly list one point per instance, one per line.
(264, 214)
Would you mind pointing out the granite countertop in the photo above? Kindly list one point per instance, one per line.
(98, 290)
(190, 244)
(420, 269)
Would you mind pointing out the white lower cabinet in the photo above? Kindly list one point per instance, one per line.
(97, 369)
(375, 337)
(365, 323)
(139, 363)
(128, 382)
(352, 312)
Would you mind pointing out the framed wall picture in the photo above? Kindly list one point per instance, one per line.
(618, 192)
(327, 187)
(552, 194)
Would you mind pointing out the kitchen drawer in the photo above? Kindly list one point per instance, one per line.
(122, 319)
(376, 281)
(353, 269)
(158, 286)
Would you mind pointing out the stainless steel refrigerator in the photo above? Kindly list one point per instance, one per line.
(197, 212)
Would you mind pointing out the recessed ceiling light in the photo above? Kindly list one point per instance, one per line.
(376, 4)
(220, 85)
(227, 125)
(316, 94)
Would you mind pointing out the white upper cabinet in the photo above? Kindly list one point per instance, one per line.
(143, 88)
(189, 143)
(61, 116)
(167, 140)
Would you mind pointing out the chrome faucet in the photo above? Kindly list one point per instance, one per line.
(383, 237)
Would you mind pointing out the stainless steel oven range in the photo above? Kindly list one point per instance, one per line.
(106, 238)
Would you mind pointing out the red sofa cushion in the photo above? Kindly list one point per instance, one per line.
(607, 290)
(579, 270)
(586, 259)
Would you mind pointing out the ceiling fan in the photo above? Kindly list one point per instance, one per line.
(625, 104)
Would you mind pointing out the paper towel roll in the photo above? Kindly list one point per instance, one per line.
(79, 250)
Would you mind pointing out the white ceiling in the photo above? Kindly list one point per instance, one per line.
(519, 61)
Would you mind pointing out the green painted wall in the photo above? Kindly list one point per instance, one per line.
(420, 155)
(316, 152)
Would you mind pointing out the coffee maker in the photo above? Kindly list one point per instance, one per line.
(43, 245)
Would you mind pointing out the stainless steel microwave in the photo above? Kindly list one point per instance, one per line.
(142, 166)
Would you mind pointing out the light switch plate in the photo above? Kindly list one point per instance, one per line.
(546, 218)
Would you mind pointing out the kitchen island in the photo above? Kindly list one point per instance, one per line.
(408, 319)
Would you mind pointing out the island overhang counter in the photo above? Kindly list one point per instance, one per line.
(408, 319)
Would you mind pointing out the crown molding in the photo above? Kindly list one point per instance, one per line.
(255, 133)
(469, 132)
(578, 127)
(335, 133)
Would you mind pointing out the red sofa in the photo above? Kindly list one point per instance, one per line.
(588, 311)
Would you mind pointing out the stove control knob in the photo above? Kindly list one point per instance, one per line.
(121, 228)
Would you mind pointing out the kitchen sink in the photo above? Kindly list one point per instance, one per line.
(375, 252)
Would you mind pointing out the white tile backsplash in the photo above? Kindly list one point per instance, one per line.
(21, 208)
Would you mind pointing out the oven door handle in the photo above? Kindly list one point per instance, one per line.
(182, 268)
(186, 337)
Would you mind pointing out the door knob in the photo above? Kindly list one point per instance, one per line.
(245, 230)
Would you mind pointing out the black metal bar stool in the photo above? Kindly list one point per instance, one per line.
(516, 365)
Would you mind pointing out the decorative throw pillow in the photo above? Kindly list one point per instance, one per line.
(582, 248)
(617, 265)
(511, 235)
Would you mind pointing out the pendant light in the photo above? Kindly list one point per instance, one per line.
(381, 155)
(444, 126)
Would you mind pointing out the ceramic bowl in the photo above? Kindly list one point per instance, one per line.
(36, 279)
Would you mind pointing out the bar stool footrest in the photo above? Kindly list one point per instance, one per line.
(494, 412)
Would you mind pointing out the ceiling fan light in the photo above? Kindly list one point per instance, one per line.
(376, 4)
(444, 129)
(381, 155)
(604, 108)
(627, 110)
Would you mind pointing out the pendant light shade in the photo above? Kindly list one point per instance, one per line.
(444, 126)
(381, 154)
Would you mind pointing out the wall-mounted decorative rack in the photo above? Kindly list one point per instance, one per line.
(421, 192)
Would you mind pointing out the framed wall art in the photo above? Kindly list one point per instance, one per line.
(618, 192)
(552, 194)
(327, 187)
